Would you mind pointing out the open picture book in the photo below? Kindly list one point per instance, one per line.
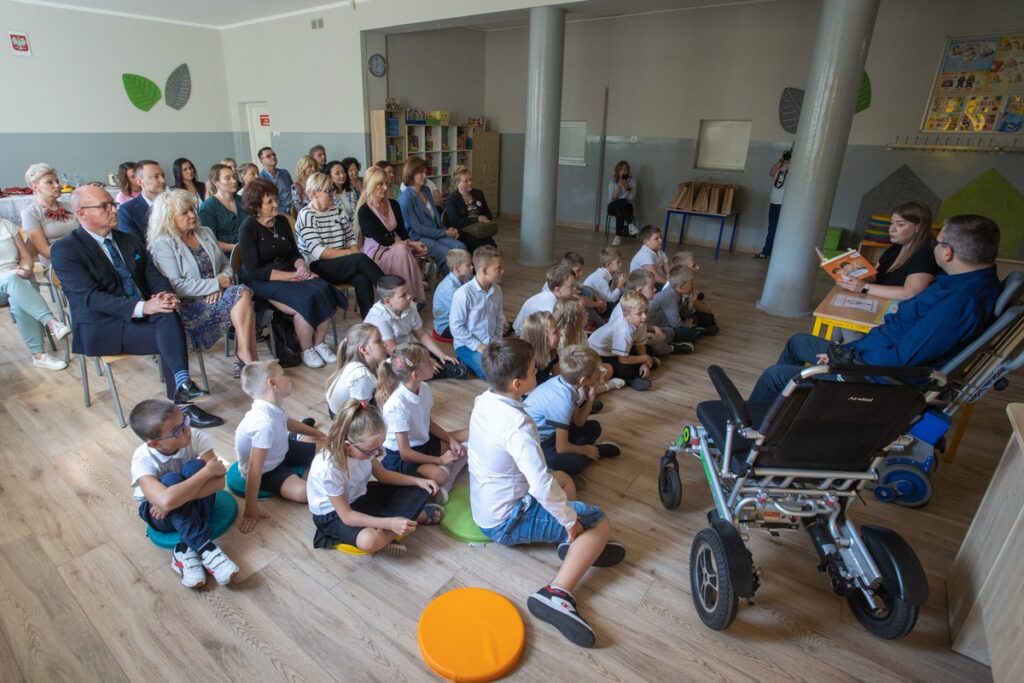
(849, 264)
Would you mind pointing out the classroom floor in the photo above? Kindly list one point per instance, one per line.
(84, 596)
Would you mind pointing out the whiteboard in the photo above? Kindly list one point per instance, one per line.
(722, 145)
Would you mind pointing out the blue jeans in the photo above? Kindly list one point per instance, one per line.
(192, 519)
(801, 348)
(531, 523)
(773, 222)
(438, 250)
(471, 358)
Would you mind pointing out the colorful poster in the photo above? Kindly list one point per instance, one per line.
(972, 88)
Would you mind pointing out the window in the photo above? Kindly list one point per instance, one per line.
(572, 143)
(722, 145)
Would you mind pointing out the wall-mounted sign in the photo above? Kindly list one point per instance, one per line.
(19, 43)
(265, 120)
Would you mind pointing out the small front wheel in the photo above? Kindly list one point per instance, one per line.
(895, 618)
(670, 488)
(710, 582)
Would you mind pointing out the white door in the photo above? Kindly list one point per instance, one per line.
(257, 115)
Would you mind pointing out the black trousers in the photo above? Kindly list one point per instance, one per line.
(163, 334)
(473, 243)
(622, 209)
(357, 270)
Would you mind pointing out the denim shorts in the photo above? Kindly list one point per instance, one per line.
(531, 523)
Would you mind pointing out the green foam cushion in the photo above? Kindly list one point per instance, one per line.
(225, 509)
(236, 482)
(458, 519)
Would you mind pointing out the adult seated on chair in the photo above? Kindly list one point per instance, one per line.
(332, 245)
(275, 270)
(421, 217)
(465, 207)
(133, 217)
(188, 255)
(47, 219)
(119, 301)
(222, 210)
(928, 329)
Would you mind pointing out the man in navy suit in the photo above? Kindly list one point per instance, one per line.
(119, 301)
(133, 216)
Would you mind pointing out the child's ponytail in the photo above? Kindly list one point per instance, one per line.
(403, 360)
(357, 422)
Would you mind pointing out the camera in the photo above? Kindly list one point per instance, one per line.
(787, 155)
(624, 176)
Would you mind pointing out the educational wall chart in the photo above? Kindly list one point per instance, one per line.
(979, 87)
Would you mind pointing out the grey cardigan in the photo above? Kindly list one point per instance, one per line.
(176, 262)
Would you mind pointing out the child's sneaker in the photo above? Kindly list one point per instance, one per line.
(394, 549)
(186, 564)
(454, 371)
(219, 566)
(615, 383)
(634, 230)
(608, 450)
(558, 608)
(312, 359)
(640, 384)
(616, 241)
(596, 407)
(682, 347)
(612, 554)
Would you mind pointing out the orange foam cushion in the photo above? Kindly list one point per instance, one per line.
(471, 634)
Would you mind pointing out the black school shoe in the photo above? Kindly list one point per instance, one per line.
(189, 393)
(596, 407)
(558, 608)
(682, 347)
(640, 384)
(199, 418)
(454, 371)
(612, 554)
(608, 450)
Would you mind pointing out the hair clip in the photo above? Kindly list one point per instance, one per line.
(364, 404)
(398, 362)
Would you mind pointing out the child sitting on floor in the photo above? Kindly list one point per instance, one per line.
(608, 280)
(570, 320)
(349, 508)
(663, 312)
(460, 269)
(477, 317)
(695, 306)
(650, 256)
(399, 322)
(359, 354)
(266, 451)
(594, 304)
(643, 281)
(561, 407)
(415, 444)
(541, 333)
(515, 498)
(615, 342)
(176, 476)
(559, 283)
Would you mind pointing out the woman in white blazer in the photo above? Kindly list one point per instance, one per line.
(189, 255)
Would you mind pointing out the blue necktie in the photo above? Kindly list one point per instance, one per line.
(122, 269)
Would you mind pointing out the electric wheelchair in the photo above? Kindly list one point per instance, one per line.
(800, 462)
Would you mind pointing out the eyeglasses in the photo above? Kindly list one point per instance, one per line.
(936, 243)
(368, 454)
(105, 206)
(177, 431)
(268, 155)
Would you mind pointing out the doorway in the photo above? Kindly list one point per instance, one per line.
(257, 118)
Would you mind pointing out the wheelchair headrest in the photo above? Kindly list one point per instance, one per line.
(1013, 286)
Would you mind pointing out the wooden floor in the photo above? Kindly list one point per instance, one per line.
(85, 597)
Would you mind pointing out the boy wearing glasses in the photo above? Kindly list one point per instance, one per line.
(176, 476)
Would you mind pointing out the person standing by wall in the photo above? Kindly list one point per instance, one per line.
(778, 174)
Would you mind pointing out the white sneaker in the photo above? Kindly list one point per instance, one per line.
(312, 359)
(615, 383)
(49, 362)
(616, 241)
(189, 568)
(324, 351)
(633, 230)
(59, 330)
(219, 566)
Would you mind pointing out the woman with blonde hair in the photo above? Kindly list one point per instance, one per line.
(306, 167)
(47, 219)
(190, 257)
(466, 210)
(386, 240)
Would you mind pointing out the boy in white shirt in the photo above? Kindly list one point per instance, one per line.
(176, 476)
(559, 283)
(615, 340)
(515, 499)
(477, 317)
(650, 256)
(460, 269)
(593, 303)
(399, 322)
(608, 280)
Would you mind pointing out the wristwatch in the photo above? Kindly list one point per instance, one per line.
(864, 289)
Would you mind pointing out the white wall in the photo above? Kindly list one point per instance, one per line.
(438, 70)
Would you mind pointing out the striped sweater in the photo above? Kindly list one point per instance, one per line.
(320, 230)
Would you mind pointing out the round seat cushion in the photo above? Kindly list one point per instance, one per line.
(225, 509)
(236, 482)
(458, 518)
(471, 634)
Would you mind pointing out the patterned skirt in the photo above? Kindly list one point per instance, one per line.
(206, 323)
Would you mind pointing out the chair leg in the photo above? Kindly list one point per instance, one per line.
(334, 326)
(202, 370)
(113, 394)
(99, 368)
(83, 367)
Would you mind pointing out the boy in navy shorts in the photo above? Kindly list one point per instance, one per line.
(515, 499)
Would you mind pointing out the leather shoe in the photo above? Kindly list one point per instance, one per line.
(189, 393)
(200, 419)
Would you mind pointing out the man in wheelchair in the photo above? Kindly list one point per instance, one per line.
(927, 329)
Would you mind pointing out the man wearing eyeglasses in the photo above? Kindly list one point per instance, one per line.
(278, 176)
(119, 302)
(133, 215)
(926, 330)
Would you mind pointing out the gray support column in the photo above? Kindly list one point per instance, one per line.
(543, 117)
(840, 49)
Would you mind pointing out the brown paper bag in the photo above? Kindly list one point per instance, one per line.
(714, 198)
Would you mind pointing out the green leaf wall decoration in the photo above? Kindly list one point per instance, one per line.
(864, 94)
(178, 87)
(141, 91)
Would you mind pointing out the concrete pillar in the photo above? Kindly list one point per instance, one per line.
(840, 49)
(543, 117)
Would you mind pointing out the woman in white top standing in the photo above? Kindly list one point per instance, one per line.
(621, 196)
(778, 174)
(47, 218)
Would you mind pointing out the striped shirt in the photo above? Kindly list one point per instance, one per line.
(320, 230)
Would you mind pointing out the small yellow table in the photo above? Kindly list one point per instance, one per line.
(829, 314)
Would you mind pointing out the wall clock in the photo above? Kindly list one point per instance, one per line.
(377, 65)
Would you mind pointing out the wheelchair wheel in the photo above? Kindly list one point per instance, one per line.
(909, 486)
(895, 619)
(670, 488)
(710, 582)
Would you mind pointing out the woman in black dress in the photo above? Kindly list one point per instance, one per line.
(273, 268)
(465, 207)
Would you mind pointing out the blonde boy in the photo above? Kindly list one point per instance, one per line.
(477, 315)
(615, 342)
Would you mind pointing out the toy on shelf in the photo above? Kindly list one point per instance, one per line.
(393, 105)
